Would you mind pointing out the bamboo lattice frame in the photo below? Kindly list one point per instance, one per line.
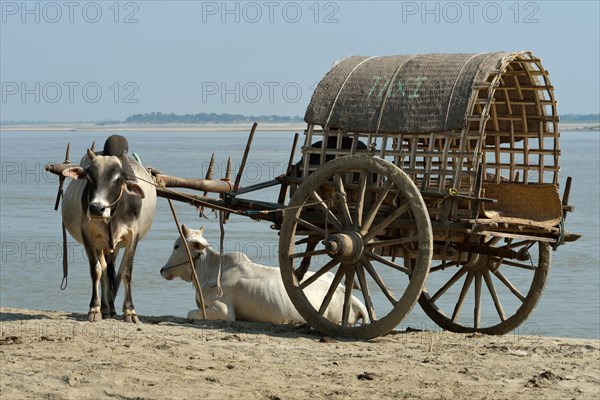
(500, 116)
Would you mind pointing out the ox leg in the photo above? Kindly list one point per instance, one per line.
(217, 310)
(112, 286)
(94, 314)
(105, 285)
(126, 272)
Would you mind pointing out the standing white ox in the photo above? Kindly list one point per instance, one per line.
(251, 292)
(107, 208)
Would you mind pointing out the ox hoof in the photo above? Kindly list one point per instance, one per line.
(108, 312)
(94, 316)
(131, 318)
(107, 315)
(195, 314)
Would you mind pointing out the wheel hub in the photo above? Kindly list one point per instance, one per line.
(344, 246)
(477, 262)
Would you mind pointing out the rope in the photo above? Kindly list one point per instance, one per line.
(247, 213)
(227, 209)
(191, 260)
(111, 205)
(222, 227)
(561, 235)
(65, 256)
(221, 251)
(451, 192)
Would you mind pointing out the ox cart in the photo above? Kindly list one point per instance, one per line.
(424, 178)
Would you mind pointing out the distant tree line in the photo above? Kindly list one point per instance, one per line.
(214, 118)
(204, 118)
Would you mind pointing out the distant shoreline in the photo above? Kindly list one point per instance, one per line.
(238, 127)
(86, 127)
(579, 126)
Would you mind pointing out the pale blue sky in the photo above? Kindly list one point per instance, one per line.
(261, 57)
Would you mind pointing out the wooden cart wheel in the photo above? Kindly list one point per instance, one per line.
(502, 291)
(337, 225)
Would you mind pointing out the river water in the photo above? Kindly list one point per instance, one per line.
(31, 244)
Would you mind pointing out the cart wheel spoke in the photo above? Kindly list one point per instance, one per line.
(332, 288)
(443, 266)
(448, 284)
(330, 216)
(347, 296)
(490, 285)
(311, 243)
(304, 240)
(387, 186)
(387, 262)
(461, 297)
(509, 285)
(392, 242)
(364, 287)
(477, 310)
(313, 278)
(509, 303)
(360, 200)
(516, 264)
(339, 204)
(343, 202)
(309, 253)
(371, 270)
(379, 228)
(310, 226)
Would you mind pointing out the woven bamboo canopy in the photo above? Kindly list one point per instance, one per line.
(455, 112)
(413, 93)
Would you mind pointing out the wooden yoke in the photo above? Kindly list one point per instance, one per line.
(206, 185)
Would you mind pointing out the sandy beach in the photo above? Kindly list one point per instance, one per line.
(59, 355)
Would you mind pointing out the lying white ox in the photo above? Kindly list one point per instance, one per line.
(251, 292)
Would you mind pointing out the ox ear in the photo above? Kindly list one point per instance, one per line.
(198, 244)
(75, 173)
(197, 241)
(132, 187)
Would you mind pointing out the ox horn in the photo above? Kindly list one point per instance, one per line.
(90, 154)
(185, 230)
